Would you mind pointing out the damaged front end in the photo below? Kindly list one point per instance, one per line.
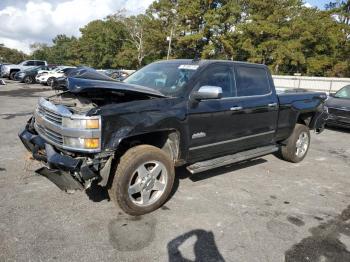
(65, 132)
(68, 142)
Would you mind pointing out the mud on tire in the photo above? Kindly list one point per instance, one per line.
(297, 144)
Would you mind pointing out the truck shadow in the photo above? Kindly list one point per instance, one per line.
(205, 248)
(25, 92)
(97, 193)
(183, 173)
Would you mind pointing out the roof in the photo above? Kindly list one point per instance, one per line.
(206, 62)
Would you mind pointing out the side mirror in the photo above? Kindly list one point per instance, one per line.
(332, 94)
(207, 92)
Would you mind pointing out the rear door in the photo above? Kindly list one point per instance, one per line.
(258, 106)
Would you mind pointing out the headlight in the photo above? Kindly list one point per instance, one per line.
(82, 143)
(89, 129)
(81, 123)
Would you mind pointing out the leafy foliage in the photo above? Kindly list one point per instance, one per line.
(9, 55)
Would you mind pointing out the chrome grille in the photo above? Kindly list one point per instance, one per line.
(49, 134)
(48, 124)
(49, 115)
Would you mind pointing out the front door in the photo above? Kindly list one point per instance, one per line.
(209, 119)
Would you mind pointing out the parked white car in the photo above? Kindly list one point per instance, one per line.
(46, 77)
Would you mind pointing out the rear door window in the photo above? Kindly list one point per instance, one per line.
(251, 81)
(40, 63)
(30, 63)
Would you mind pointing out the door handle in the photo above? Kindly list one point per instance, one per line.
(236, 108)
(272, 105)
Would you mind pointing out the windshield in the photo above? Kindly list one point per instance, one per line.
(56, 69)
(168, 78)
(343, 93)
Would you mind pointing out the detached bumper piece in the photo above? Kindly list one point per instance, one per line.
(62, 170)
(62, 180)
(320, 121)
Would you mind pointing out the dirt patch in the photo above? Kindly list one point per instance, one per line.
(324, 244)
(341, 153)
(11, 116)
(132, 233)
(295, 221)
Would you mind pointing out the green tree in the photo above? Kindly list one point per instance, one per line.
(10, 55)
(63, 50)
(141, 42)
(101, 41)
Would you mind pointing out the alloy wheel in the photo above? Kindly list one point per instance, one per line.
(302, 144)
(148, 183)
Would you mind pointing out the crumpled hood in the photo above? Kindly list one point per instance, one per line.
(86, 79)
(81, 85)
(338, 102)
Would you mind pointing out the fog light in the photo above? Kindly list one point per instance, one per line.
(91, 143)
(92, 123)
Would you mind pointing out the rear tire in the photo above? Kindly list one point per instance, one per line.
(297, 144)
(143, 180)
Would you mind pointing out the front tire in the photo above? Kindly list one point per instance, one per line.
(28, 80)
(297, 144)
(143, 180)
(49, 81)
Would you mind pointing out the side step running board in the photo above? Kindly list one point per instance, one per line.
(230, 159)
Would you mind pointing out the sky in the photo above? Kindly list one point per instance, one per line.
(24, 22)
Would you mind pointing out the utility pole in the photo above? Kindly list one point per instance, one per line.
(169, 38)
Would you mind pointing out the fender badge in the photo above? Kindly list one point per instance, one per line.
(199, 135)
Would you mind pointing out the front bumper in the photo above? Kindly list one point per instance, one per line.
(19, 78)
(40, 80)
(64, 171)
(5, 74)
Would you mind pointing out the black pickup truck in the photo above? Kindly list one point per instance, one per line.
(129, 136)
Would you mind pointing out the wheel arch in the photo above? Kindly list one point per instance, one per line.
(167, 140)
(305, 118)
(14, 70)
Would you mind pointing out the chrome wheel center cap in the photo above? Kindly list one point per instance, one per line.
(149, 184)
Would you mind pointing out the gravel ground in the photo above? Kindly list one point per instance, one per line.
(262, 210)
